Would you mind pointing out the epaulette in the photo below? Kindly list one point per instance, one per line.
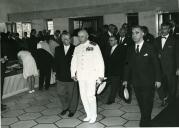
(93, 43)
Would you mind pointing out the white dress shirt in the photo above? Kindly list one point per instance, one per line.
(140, 45)
(113, 48)
(66, 47)
(164, 40)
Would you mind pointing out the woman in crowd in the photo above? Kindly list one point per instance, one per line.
(29, 68)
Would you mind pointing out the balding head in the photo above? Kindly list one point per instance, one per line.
(83, 36)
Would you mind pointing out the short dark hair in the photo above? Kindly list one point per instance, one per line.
(65, 33)
(166, 24)
(113, 36)
(138, 26)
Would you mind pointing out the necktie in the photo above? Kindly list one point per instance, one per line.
(137, 49)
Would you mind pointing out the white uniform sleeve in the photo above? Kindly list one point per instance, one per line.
(99, 62)
(74, 63)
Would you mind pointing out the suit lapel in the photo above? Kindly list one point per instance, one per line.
(114, 50)
(143, 49)
(68, 50)
(166, 43)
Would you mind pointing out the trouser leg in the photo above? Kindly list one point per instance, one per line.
(62, 94)
(91, 86)
(41, 78)
(84, 98)
(115, 84)
(74, 98)
(47, 77)
(145, 97)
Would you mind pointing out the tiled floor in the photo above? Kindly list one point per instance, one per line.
(41, 110)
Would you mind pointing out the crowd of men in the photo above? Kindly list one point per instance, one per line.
(130, 56)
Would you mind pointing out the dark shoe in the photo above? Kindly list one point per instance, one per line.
(71, 114)
(64, 112)
(110, 102)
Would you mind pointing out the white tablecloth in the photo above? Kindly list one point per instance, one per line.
(15, 84)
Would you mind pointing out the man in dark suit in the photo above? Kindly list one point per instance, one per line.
(104, 38)
(149, 38)
(44, 62)
(168, 53)
(114, 67)
(143, 71)
(32, 43)
(67, 89)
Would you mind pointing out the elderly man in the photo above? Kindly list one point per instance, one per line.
(66, 87)
(87, 67)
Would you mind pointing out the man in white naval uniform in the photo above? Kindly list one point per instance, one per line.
(87, 66)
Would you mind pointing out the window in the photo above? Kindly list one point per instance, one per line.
(23, 27)
(132, 19)
(50, 26)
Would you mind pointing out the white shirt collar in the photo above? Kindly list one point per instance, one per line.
(113, 48)
(166, 36)
(140, 45)
(110, 34)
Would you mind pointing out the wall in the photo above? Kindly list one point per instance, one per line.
(148, 19)
(29, 7)
(39, 24)
(117, 19)
(61, 24)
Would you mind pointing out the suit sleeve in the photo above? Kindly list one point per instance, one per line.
(177, 53)
(55, 60)
(127, 68)
(156, 64)
(73, 67)
(99, 63)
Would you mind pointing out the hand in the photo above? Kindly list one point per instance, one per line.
(177, 72)
(157, 84)
(74, 78)
(124, 83)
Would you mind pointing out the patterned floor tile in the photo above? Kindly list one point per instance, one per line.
(45, 126)
(112, 106)
(87, 125)
(29, 116)
(108, 113)
(113, 121)
(132, 124)
(131, 116)
(24, 124)
(99, 117)
(48, 119)
(35, 109)
(130, 108)
(12, 113)
(68, 122)
(8, 121)
(77, 114)
(51, 111)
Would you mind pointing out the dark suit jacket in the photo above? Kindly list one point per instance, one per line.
(43, 59)
(142, 69)
(169, 55)
(115, 62)
(63, 63)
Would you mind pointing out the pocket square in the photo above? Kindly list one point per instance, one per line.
(169, 46)
(125, 44)
(145, 54)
